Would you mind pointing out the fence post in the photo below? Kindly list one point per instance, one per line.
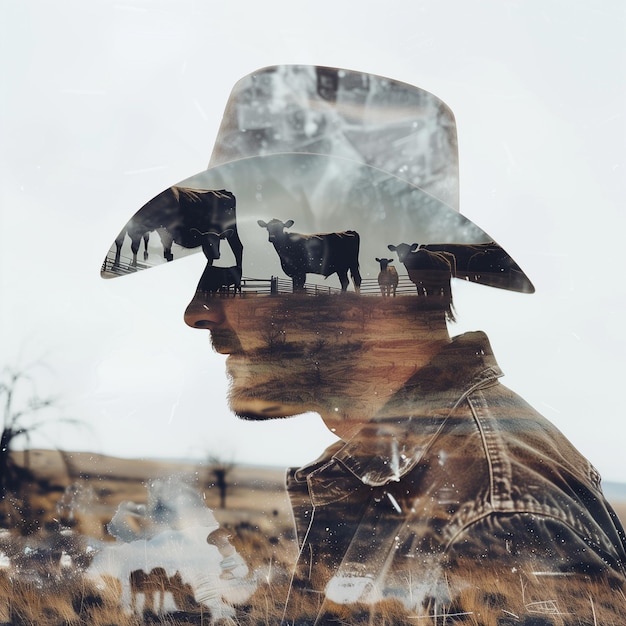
(274, 285)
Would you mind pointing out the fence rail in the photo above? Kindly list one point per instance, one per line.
(276, 285)
(123, 267)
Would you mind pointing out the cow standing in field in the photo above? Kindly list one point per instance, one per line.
(387, 278)
(486, 263)
(429, 271)
(136, 234)
(152, 586)
(321, 253)
(191, 218)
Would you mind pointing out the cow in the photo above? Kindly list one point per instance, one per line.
(387, 278)
(152, 586)
(219, 279)
(490, 260)
(135, 242)
(429, 270)
(320, 253)
(485, 263)
(190, 217)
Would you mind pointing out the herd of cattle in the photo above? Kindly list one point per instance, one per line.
(193, 219)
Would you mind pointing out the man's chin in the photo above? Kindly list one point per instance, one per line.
(258, 392)
(254, 409)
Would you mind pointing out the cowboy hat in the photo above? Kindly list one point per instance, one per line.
(323, 150)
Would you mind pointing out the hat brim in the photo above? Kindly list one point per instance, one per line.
(320, 194)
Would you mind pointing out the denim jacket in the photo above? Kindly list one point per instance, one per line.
(457, 472)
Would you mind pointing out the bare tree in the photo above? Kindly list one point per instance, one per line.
(24, 412)
(273, 336)
(219, 469)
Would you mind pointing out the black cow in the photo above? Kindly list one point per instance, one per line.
(210, 245)
(485, 263)
(429, 270)
(135, 242)
(192, 218)
(387, 277)
(321, 253)
(219, 279)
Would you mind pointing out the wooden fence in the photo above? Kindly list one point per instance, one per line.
(269, 286)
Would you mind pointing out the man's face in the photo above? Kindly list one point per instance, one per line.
(293, 353)
(285, 352)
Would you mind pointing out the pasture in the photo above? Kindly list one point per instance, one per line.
(43, 581)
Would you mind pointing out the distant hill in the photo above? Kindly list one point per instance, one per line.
(117, 479)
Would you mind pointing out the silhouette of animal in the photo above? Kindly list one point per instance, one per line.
(488, 259)
(486, 263)
(387, 277)
(430, 271)
(190, 217)
(152, 586)
(136, 234)
(320, 253)
(220, 279)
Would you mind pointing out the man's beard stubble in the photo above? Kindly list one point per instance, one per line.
(259, 389)
(246, 402)
(225, 341)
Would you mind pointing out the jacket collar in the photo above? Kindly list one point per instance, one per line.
(392, 444)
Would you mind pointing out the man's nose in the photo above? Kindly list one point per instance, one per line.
(204, 312)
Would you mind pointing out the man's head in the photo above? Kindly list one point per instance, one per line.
(341, 355)
(337, 168)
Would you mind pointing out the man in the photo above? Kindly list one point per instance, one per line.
(445, 491)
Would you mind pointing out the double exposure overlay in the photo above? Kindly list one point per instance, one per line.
(329, 221)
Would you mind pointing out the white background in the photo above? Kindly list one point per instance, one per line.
(104, 104)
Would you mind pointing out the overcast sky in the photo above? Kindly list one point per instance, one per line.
(104, 104)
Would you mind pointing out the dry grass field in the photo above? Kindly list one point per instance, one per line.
(37, 589)
(253, 492)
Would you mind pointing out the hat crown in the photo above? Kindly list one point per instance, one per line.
(392, 126)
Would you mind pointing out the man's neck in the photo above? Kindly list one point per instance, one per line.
(391, 353)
